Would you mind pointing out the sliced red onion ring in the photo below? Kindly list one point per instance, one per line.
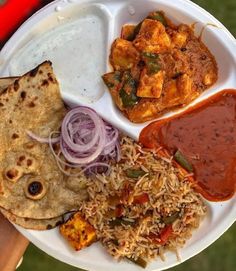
(91, 145)
(86, 141)
(53, 140)
(96, 168)
(81, 115)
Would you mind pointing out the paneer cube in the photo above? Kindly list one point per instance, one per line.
(209, 78)
(184, 85)
(179, 39)
(123, 55)
(127, 32)
(78, 232)
(178, 91)
(171, 96)
(143, 111)
(150, 85)
(152, 37)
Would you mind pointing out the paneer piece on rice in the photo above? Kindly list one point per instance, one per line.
(152, 37)
(78, 232)
(123, 55)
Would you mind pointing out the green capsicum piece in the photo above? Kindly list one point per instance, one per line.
(182, 160)
(140, 262)
(170, 219)
(134, 173)
(128, 90)
(158, 16)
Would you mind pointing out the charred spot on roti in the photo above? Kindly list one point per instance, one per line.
(35, 189)
(4, 91)
(23, 94)
(59, 223)
(1, 104)
(15, 136)
(49, 227)
(29, 162)
(10, 121)
(51, 79)
(20, 160)
(16, 85)
(45, 82)
(31, 104)
(13, 173)
(34, 72)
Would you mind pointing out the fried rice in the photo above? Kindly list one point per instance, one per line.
(141, 215)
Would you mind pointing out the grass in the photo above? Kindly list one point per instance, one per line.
(219, 256)
(225, 11)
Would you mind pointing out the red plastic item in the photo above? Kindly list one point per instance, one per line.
(13, 13)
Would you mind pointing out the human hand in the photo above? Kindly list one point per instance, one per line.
(12, 245)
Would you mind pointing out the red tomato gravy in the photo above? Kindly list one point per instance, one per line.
(206, 135)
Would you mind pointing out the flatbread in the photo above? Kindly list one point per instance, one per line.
(33, 224)
(33, 103)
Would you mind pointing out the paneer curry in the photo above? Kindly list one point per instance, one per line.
(158, 66)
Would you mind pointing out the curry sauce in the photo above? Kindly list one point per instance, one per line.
(206, 136)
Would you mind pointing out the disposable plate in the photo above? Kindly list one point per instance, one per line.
(76, 36)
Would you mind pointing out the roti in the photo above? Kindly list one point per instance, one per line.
(31, 185)
(33, 224)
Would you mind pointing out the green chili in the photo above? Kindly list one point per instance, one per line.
(170, 219)
(115, 242)
(152, 62)
(134, 173)
(153, 67)
(179, 157)
(140, 262)
(119, 221)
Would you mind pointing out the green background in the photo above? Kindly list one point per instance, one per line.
(221, 256)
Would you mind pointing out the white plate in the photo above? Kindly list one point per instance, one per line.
(76, 36)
